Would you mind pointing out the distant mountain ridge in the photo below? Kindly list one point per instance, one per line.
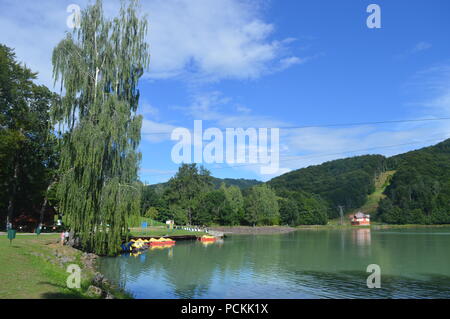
(242, 183)
(419, 191)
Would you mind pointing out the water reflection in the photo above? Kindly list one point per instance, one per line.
(304, 264)
(361, 236)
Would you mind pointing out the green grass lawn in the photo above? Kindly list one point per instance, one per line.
(29, 269)
(25, 275)
(137, 222)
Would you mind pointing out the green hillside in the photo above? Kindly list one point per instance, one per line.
(410, 188)
(381, 183)
(420, 189)
(346, 182)
(239, 182)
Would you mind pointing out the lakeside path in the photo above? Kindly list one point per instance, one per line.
(258, 230)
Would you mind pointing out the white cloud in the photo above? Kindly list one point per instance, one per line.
(288, 62)
(206, 106)
(222, 112)
(421, 46)
(145, 108)
(417, 48)
(156, 132)
(213, 39)
(201, 39)
(33, 29)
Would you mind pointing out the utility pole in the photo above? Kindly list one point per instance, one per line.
(341, 213)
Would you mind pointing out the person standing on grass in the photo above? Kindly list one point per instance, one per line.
(62, 238)
(66, 236)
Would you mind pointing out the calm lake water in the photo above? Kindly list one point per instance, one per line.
(415, 263)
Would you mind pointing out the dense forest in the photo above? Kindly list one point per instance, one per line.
(192, 197)
(345, 182)
(419, 192)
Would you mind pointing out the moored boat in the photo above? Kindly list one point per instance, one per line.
(207, 238)
(161, 241)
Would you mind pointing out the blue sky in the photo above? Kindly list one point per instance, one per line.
(270, 64)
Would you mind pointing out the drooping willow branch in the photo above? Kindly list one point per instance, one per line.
(99, 66)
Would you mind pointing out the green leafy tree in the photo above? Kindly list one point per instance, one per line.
(151, 197)
(186, 187)
(28, 155)
(261, 206)
(152, 212)
(99, 66)
(302, 208)
(288, 211)
(178, 214)
(210, 208)
(233, 212)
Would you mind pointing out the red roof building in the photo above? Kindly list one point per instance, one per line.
(360, 219)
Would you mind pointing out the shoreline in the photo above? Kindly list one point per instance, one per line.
(257, 230)
(373, 226)
(272, 230)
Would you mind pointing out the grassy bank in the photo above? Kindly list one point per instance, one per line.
(34, 267)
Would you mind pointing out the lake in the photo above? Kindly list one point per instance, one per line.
(322, 263)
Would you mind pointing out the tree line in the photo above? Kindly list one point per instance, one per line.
(191, 198)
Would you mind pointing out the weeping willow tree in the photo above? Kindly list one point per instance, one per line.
(98, 66)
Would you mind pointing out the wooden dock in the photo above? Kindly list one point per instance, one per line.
(216, 233)
(175, 237)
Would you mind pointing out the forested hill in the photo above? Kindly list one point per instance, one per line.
(419, 192)
(345, 182)
(242, 183)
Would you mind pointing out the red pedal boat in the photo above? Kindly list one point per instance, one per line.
(207, 238)
(161, 242)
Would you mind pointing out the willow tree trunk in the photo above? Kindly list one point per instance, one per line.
(44, 204)
(99, 67)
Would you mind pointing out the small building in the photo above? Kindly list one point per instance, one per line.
(360, 219)
(170, 224)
